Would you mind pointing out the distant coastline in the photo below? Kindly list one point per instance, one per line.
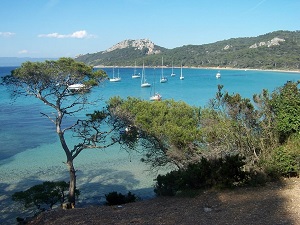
(212, 68)
(17, 61)
(245, 69)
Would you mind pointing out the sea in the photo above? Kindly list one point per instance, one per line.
(30, 152)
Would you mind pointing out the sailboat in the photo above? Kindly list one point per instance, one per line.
(115, 79)
(218, 75)
(156, 96)
(181, 76)
(144, 82)
(162, 79)
(172, 74)
(135, 74)
(78, 88)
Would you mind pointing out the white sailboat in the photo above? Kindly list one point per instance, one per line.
(156, 96)
(162, 79)
(115, 79)
(218, 75)
(135, 74)
(144, 82)
(172, 74)
(181, 76)
(78, 88)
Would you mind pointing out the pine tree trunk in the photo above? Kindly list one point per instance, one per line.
(72, 186)
(70, 166)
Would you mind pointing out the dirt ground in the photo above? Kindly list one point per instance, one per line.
(275, 203)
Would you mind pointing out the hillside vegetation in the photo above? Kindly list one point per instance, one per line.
(275, 50)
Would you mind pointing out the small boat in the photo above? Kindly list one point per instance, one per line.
(115, 79)
(135, 74)
(162, 79)
(181, 76)
(218, 75)
(155, 97)
(78, 87)
(173, 74)
(144, 82)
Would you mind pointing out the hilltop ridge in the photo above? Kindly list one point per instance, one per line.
(275, 50)
(139, 44)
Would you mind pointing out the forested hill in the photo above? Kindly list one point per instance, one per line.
(275, 50)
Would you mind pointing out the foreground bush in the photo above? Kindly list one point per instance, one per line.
(221, 173)
(285, 160)
(43, 195)
(114, 198)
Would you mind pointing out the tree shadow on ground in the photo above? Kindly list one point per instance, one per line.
(276, 203)
(253, 205)
(92, 184)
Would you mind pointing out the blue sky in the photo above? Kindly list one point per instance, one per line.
(66, 28)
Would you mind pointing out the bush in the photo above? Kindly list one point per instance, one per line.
(43, 196)
(286, 158)
(114, 198)
(227, 172)
(222, 173)
(169, 184)
(47, 193)
(257, 178)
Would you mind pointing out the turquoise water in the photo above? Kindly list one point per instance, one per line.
(30, 152)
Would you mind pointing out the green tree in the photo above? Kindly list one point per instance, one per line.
(286, 107)
(268, 138)
(231, 125)
(168, 130)
(49, 81)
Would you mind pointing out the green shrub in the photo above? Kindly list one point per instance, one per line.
(257, 178)
(48, 193)
(198, 175)
(286, 158)
(228, 171)
(114, 198)
(285, 104)
(283, 160)
(221, 173)
(169, 184)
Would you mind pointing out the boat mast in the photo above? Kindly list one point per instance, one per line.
(162, 67)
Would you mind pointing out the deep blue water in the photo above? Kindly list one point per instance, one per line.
(23, 127)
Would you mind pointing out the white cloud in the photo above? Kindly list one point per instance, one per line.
(77, 34)
(24, 51)
(6, 34)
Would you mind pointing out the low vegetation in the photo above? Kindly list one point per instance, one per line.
(44, 196)
(224, 172)
(115, 198)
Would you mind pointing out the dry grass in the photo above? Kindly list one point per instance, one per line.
(275, 203)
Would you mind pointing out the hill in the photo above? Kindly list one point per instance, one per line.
(275, 50)
(123, 53)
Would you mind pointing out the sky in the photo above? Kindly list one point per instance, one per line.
(67, 28)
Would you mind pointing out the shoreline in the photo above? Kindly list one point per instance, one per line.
(195, 67)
